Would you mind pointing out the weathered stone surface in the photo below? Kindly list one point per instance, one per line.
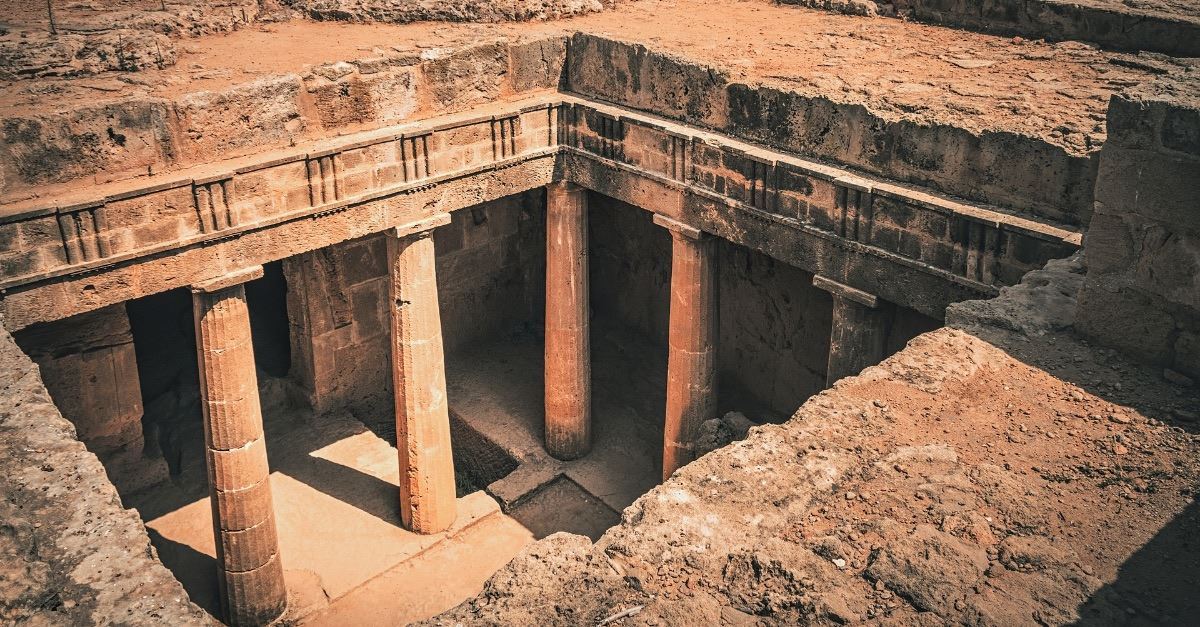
(133, 136)
(538, 64)
(258, 114)
(427, 497)
(1154, 25)
(72, 554)
(88, 365)
(692, 341)
(1142, 292)
(122, 49)
(1008, 169)
(857, 338)
(928, 567)
(249, 567)
(112, 140)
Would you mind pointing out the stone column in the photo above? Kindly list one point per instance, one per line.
(427, 501)
(568, 374)
(859, 330)
(250, 570)
(692, 342)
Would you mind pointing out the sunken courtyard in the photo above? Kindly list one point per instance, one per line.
(599, 312)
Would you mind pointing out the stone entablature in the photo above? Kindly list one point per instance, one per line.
(440, 165)
(967, 240)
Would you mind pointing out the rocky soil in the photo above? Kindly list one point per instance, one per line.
(1007, 475)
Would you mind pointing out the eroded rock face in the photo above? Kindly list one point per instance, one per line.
(404, 11)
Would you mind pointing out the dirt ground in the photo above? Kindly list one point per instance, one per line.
(1058, 92)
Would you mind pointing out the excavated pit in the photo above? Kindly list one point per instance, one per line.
(820, 252)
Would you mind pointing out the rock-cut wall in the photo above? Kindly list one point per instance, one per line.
(70, 554)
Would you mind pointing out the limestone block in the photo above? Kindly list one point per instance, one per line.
(248, 549)
(242, 509)
(386, 97)
(271, 191)
(633, 75)
(537, 64)
(239, 469)
(254, 597)
(1153, 185)
(1125, 318)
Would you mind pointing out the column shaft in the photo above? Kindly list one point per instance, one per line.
(250, 570)
(860, 326)
(568, 356)
(692, 343)
(427, 498)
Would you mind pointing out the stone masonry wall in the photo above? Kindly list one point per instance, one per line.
(489, 264)
(405, 11)
(70, 554)
(88, 365)
(630, 267)
(1020, 172)
(1130, 25)
(1142, 292)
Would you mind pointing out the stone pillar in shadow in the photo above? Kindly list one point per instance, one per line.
(427, 498)
(860, 326)
(691, 342)
(250, 569)
(568, 368)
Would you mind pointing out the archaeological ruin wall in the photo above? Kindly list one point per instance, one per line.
(1142, 292)
(814, 236)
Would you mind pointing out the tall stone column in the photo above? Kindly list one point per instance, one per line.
(427, 501)
(692, 342)
(568, 374)
(859, 330)
(250, 569)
